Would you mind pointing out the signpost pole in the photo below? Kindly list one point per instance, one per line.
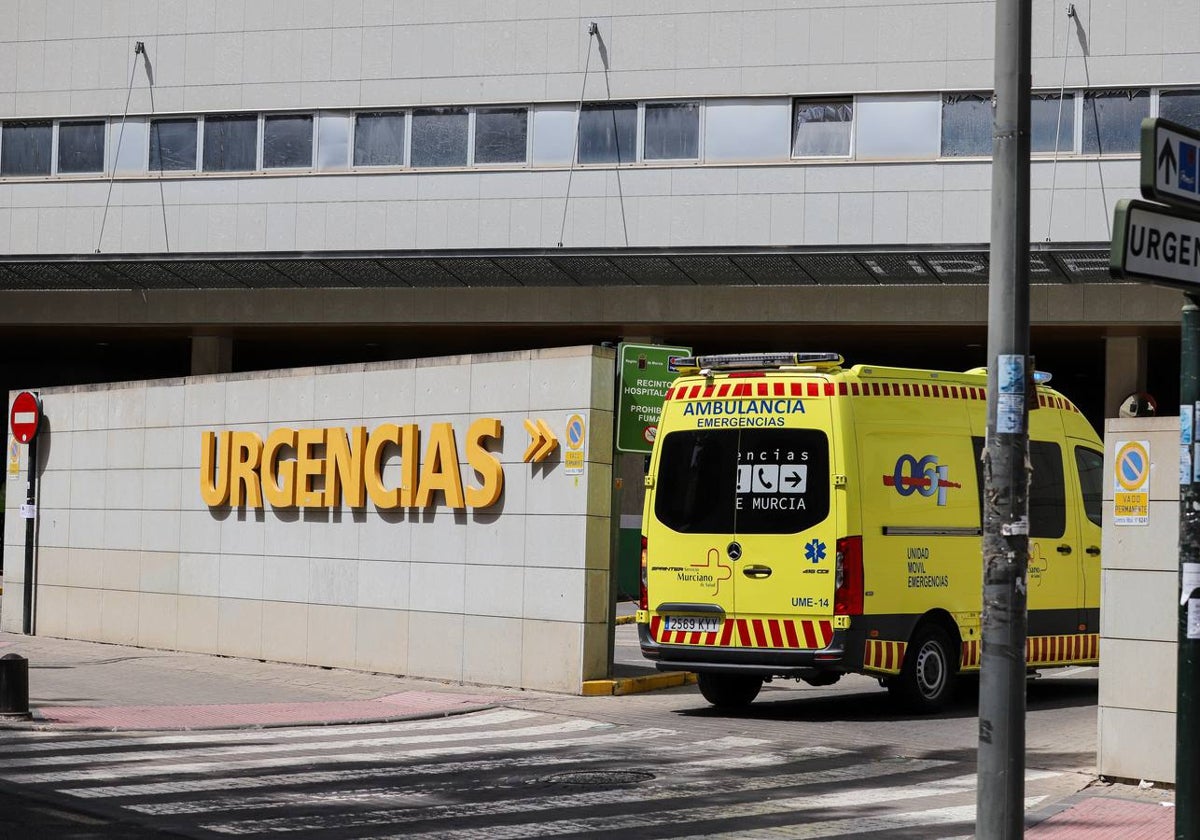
(1187, 709)
(1001, 757)
(31, 500)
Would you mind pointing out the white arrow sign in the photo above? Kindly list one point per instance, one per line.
(1170, 163)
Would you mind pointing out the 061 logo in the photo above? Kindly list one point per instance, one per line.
(924, 476)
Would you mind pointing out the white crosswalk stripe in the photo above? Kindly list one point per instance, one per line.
(503, 773)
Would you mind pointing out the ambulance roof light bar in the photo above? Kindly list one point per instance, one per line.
(743, 361)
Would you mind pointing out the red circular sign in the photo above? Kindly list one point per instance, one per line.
(26, 412)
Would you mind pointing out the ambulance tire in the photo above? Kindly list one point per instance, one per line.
(926, 680)
(729, 691)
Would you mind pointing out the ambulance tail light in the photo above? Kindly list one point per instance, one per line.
(643, 600)
(848, 577)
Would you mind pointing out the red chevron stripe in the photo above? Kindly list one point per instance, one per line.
(789, 628)
(760, 633)
(726, 633)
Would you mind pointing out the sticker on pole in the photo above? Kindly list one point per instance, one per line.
(14, 456)
(1131, 482)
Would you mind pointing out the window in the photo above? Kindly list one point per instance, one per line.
(1112, 121)
(967, 120)
(439, 137)
(748, 481)
(287, 141)
(821, 128)
(1181, 106)
(231, 143)
(672, 131)
(501, 135)
(747, 129)
(1047, 491)
(554, 134)
(379, 139)
(25, 148)
(608, 133)
(333, 141)
(172, 145)
(127, 142)
(891, 127)
(1090, 464)
(81, 146)
(1045, 112)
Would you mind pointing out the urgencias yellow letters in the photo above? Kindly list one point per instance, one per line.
(326, 467)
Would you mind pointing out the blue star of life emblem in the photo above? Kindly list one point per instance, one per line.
(814, 551)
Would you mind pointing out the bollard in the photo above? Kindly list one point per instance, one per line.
(14, 687)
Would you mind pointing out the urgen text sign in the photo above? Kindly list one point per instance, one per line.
(313, 468)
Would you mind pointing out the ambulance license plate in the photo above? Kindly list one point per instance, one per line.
(692, 622)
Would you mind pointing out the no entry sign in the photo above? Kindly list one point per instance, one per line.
(25, 416)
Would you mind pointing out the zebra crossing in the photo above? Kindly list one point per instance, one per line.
(501, 773)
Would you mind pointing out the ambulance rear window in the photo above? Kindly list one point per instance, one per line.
(747, 481)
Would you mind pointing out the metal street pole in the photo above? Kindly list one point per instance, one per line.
(1187, 706)
(1001, 759)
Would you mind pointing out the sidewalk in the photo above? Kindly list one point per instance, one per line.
(87, 685)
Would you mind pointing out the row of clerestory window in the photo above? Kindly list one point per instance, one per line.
(741, 130)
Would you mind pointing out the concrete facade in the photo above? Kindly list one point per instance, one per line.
(1139, 614)
(516, 594)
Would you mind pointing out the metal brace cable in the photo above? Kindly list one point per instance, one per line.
(138, 49)
(593, 29)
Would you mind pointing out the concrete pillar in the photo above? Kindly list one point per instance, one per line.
(1124, 370)
(211, 354)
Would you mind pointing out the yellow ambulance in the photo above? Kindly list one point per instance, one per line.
(807, 520)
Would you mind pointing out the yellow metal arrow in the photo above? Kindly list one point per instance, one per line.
(541, 441)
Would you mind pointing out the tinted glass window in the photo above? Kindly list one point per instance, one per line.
(672, 131)
(1181, 106)
(231, 143)
(750, 481)
(379, 139)
(287, 141)
(25, 148)
(1112, 121)
(81, 147)
(966, 124)
(1050, 120)
(172, 145)
(1090, 464)
(439, 137)
(1047, 490)
(821, 127)
(608, 133)
(501, 135)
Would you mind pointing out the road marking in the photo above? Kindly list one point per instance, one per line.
(575, 725)
(312, 734)
(93, 773)
(665, 790)
(737, 810)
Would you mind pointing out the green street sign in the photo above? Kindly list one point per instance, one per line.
(644, 373)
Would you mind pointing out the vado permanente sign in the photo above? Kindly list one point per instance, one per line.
(327, 467)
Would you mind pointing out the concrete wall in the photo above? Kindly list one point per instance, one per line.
(1139, 614)
(75, 58)
(515, 594)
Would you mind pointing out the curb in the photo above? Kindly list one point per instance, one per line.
(636, 685)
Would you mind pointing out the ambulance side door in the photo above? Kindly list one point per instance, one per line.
(1087, 463)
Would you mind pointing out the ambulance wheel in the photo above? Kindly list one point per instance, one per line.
(926, 681)
(729, 691)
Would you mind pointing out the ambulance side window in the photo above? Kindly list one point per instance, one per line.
(1090, 464)
(1047, 490)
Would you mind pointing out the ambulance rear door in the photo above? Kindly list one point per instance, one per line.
(785, 531)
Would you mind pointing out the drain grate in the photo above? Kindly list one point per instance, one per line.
(599, 777)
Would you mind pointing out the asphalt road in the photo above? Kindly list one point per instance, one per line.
(801, 762)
